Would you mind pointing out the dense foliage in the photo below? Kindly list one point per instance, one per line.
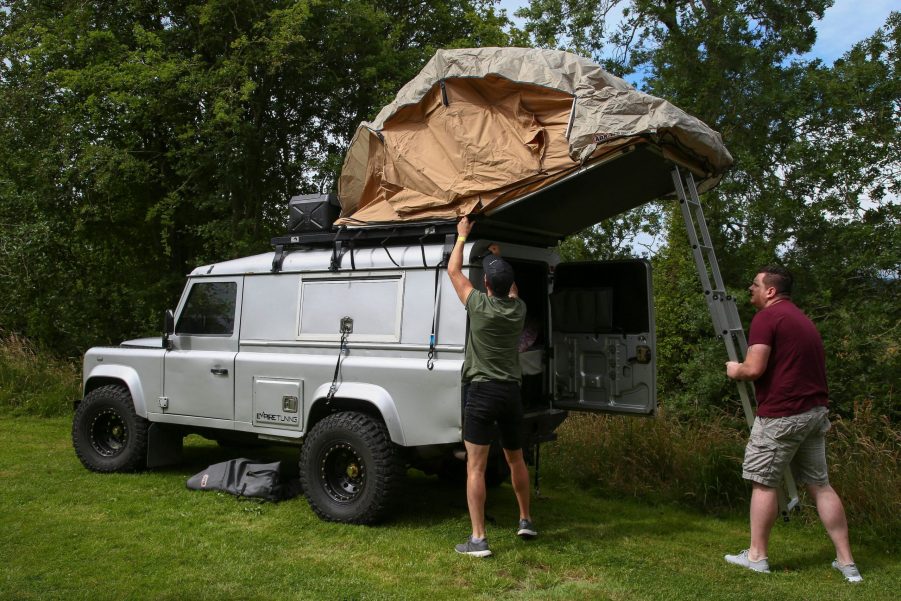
(141, 138)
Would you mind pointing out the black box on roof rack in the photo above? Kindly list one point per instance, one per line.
(312, 212)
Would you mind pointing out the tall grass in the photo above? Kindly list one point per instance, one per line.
(864, 460)
(662, 459)
(34, 383)
(698, 462)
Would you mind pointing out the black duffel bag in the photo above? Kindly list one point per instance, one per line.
(242, 478)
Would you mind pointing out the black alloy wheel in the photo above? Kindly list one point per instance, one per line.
(342, 472)
(109, 433)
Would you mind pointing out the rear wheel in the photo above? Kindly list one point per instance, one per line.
(349, 468)
(107, 434)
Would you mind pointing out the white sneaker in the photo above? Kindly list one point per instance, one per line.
(761, 565)
(850, 571)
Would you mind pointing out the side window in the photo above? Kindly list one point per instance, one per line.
(210, 309)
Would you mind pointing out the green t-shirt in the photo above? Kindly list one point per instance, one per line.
(495, 325)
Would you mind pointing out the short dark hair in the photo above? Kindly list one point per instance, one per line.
(779, 278)
(499, 274)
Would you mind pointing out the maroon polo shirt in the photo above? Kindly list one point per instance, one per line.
(795, 377)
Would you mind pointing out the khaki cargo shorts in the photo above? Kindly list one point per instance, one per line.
(796, 441)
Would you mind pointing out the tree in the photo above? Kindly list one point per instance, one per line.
(139, 139)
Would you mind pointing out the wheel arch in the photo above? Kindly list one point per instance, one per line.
(104, 375)
(356, 396)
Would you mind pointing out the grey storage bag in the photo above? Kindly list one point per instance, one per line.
(242, 478)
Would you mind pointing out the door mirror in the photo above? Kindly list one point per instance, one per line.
(168, 327)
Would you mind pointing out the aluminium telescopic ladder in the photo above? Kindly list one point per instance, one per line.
(723, 312)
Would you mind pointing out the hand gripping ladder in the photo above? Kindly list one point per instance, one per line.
(723, 311)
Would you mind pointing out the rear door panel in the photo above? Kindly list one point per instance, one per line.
(602, 322)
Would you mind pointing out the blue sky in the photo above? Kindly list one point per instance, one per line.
(844, 24)
(848, 22)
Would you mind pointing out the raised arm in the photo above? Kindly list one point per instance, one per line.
(461, 283)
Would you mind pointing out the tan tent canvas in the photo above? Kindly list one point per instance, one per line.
(480, 128)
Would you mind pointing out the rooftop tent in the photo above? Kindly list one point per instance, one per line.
(540, 142)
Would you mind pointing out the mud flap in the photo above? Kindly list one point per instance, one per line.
(164, 445)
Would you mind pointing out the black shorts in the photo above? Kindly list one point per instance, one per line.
(491, 406)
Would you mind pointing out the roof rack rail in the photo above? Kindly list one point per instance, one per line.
(360, 237)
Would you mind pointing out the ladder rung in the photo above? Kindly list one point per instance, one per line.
(731, 331)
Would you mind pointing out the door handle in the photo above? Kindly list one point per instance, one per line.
(219, 371)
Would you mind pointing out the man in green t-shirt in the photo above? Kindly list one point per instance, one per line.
(492, 375)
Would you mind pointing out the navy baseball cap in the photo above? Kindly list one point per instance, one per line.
(499, 273)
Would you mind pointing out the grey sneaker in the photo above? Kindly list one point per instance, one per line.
(474, 547)
(761, 565)
(850, 571)
(526, 530)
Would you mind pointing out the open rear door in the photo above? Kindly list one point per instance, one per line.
(602, 324)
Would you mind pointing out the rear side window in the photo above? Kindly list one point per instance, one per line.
(374, 304)
(210, 309)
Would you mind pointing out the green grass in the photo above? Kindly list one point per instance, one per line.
(71, 534)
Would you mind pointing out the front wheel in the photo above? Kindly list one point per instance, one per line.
(349, 468)
(107, 434)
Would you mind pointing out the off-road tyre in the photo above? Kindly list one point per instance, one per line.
(107, 434)
(349, 468)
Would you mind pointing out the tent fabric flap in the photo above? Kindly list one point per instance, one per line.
(477, 128)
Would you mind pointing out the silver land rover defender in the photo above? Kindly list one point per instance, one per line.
(348, 342)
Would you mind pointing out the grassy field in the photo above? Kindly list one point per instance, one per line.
(71, 534)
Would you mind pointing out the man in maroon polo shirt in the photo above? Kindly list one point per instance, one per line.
(787, 364)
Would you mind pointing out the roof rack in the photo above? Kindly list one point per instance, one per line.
(362, 237)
